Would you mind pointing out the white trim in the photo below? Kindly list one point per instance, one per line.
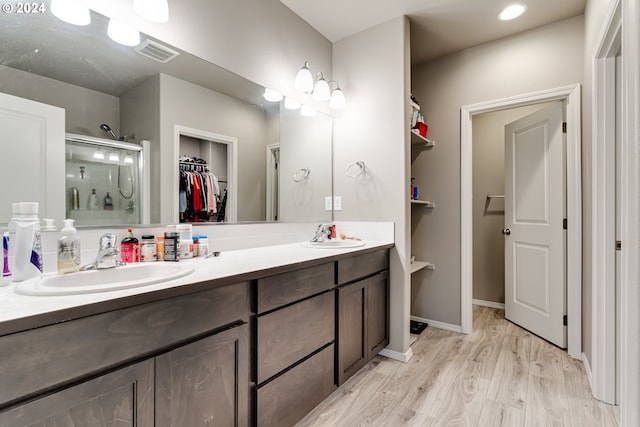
(571, 94)
(396, 355)
(232, 167)
(146, 183)
(439, 325)
(603, 212)
(587, 369)
(490, 304)
(270, 178)
(630, 270)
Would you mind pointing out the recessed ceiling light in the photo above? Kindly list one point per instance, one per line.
(512, 12)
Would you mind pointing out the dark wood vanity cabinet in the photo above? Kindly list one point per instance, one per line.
(363, 311)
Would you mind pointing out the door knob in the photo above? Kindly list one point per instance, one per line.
(506, 231)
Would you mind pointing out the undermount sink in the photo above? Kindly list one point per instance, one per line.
(334, 244)
(111, 279)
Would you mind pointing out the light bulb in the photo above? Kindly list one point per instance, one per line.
(304, 79)
(337, 100)
(123, 33)
(291, 103)
(98, 154)
(114, 157)
(128, 159)
(307, 111)
(512, 12)
(71, 12)
(271, 95)
(321, 92)
(152, 10)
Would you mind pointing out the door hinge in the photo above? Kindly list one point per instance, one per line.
(564, 320)
(564, 127)
(564, 223)
(618, 245)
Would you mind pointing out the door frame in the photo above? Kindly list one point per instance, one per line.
(571, 95)
(603, 212)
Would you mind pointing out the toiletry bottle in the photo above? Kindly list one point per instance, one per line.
(203, 246)
(75, 199)
(415, 192)
(185, 246)
(411, 189)
(129, 248)
(68, 249)
(160, 248)
(25, 251)
(108, 202)
(171, 252)
(148, 248)
(92, 203)
(5, 279)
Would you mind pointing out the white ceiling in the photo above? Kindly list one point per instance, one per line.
(438, 27)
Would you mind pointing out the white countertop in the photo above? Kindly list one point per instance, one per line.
(231, 263)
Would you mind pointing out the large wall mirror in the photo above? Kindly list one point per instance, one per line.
(269, 163)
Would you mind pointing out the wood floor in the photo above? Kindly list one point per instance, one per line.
(500, 375)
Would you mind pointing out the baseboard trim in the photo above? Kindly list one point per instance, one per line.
(396, 355)
(439, 325)
(587, 369)
(490, 304)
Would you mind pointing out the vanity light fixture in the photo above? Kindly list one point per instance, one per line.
(71, 12)
(114, 157)
(321, 91)
(272, 96)
(337, 100)
(304, 79)
(152, 10)
(291, 103)
(128, 159)
(98, 154)
(123, 33)
(512, 12)
(308, 111)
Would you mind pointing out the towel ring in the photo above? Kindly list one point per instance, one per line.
(355, 169)
(301, 174)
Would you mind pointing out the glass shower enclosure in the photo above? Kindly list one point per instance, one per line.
(105, 181)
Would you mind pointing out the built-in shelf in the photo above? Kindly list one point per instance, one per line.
(419, 265)
(425, 203)
(417, 139)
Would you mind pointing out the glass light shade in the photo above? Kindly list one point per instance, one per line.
(114, 157)
(98, 154)
(304, 79)
(307, 111)
(152, 10)
(123, 33)
(512, 12)
(128, 159)
(337, 100)
(291, 103)
(322, 92)
(71, 12)
(271, 95)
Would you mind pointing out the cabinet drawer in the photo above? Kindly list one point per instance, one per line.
(281, 289)
(288, 398)
(288, 335)
(360, 266)
(43, 358)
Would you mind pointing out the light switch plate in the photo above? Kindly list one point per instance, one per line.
(327, 203)
(337, 203)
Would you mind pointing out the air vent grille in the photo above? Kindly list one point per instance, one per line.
(156, 51)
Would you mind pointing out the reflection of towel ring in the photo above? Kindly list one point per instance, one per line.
(355, 169)
(301, 174)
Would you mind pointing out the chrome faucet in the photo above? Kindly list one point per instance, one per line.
(107, 254)
(323, 232)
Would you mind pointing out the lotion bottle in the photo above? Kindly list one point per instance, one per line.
(68, 249)
(93, 203)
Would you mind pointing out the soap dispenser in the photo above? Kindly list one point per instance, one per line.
(68, 249)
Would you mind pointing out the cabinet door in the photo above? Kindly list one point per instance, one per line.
(205, 383)
(352, 345)
(377, 313)
(123, 397)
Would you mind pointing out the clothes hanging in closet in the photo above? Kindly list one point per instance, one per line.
(199, 195)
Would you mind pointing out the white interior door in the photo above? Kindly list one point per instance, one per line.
(535, 284)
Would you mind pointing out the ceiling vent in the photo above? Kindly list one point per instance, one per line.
(156, 51)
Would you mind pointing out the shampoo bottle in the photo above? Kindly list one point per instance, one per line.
(25, 251)
(68, 249)
(129, 248)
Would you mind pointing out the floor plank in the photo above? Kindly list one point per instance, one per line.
(501, 375)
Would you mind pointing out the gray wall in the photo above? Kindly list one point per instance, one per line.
(373, 70)
(488, 219)
(546, 57)
(85, 109)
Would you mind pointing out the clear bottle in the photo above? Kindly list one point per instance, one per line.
(129, 248)
(25, 251)
(68, 249)
(92, 203)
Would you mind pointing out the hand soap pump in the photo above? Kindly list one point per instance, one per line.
(68, 249)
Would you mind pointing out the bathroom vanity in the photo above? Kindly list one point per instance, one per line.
(259, 338)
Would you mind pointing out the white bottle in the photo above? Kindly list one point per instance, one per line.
(25, 251)
(68, 249)
(93, 203)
